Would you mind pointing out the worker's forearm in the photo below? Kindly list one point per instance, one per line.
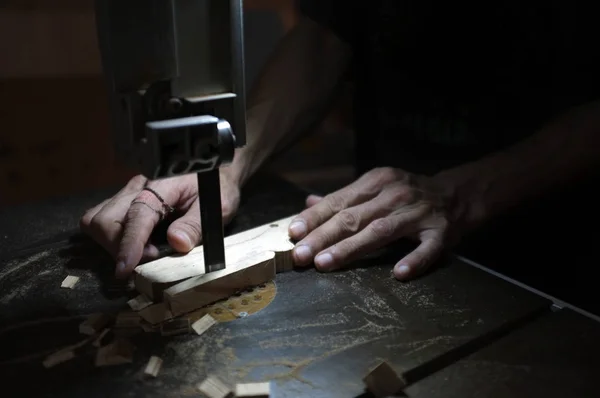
(293, 92)
(564, 150)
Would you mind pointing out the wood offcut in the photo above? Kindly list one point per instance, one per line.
(153, 366)
(69, 282)
(253, 390)
(203, 324)
(212, 387)
(139, 303)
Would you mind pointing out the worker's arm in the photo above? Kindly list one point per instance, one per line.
(387, 204)
(562, 151)
(293, 92)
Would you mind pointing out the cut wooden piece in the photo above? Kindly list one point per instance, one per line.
(69, 282)
(253, 390)
(116, 353)
(175, 327)
(154, 277)
(156, 313)
(206, 289)
(203, 324)
(383, 381)
(212, 387)
(94, 324)
(153, 366)
(139, 303)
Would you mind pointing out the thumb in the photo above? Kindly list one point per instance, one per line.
(185, 232)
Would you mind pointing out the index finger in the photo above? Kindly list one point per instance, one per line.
(354, 194)
(139, 223)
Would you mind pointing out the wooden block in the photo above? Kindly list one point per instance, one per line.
(156, 313)
(116, 353)
(241, 249)
(139, 303)
(212, 387)
(69, 282)
(253, 390)
(203, 324)
(94, 324)
(175, 327)
(383, 381)
(153, 366)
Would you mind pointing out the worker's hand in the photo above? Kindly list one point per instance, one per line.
(380, 207)
(123, 228)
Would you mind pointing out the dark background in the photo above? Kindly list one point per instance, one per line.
(54, 139)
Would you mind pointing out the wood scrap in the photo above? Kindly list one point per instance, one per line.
(212, 387)
(118, 352)
(69, 282)
(139, 303)
(175, 327)
(94, 324)
(156, 313)
(203, 324)
(58, 357)
(64, 354)
(253, 390)
(383, 381)
(156, 276)
(153, 366)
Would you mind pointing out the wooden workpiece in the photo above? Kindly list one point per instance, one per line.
(383, 381)
(243, 250)
(69, 282)
(253, 390)
(212, 387)
(153, 366)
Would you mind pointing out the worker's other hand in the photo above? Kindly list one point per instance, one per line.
(380, 207)
(124, 229)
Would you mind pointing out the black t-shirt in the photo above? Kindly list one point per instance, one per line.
(441, 83)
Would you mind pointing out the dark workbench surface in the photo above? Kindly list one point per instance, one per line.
(457, 332)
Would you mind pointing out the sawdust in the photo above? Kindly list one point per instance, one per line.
(415, 346)
(295, 368)
(17, 264)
